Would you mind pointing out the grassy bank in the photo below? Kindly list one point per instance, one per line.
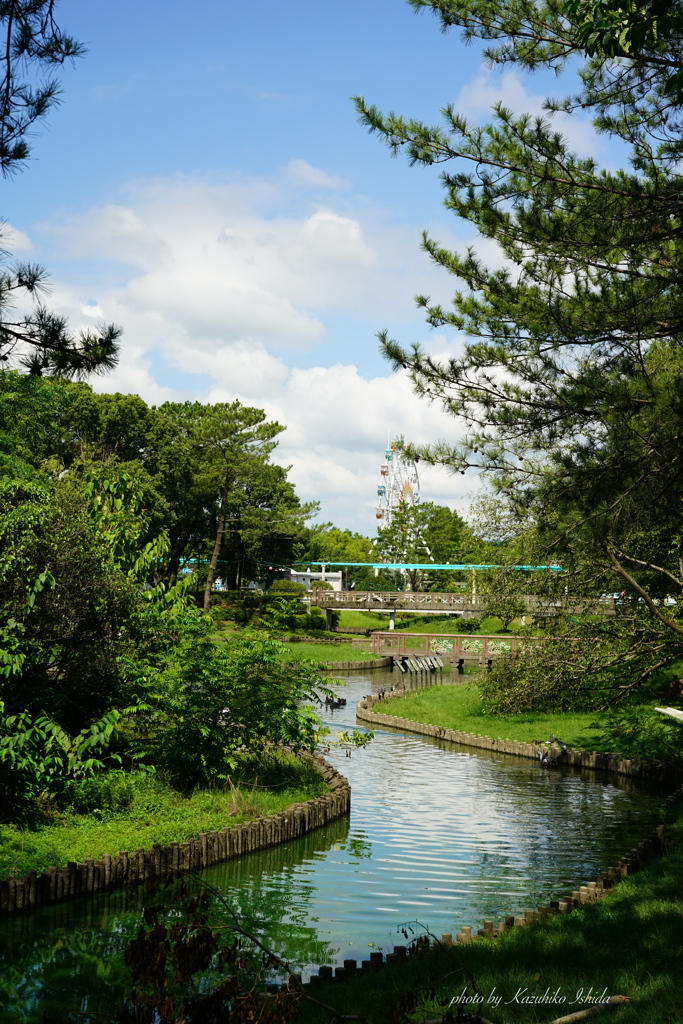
(451, 624)
(327, 652)
(140, 809)
(629, 943)
(459, 707)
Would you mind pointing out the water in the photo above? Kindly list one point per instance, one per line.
(438, 834)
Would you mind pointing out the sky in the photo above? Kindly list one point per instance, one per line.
(206, 185)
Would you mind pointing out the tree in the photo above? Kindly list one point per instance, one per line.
(502, 592)
(569, 384)
(402, 540)
(32, 41)
(231, 445)
(636, 30)
(40, 341)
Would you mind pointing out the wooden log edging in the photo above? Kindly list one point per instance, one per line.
(56, 885)
(646, 851)
(596, 760)
(637, 858)
(368, 663)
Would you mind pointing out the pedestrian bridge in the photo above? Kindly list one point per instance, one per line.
(454, 647)
(446, 603)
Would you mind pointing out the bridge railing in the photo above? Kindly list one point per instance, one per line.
(452, 644)
(403, 600)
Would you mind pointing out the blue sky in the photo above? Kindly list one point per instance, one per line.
(206, 185)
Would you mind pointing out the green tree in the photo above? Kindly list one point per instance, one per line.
(40, 341)
(402, 540)
(257, 512)
(568, 383)
(206, 704)
(635, 30)
(502, 592)
(32, 42)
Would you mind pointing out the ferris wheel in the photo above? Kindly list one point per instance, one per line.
(399, 483)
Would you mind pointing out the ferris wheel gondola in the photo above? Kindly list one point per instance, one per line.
(399, 483)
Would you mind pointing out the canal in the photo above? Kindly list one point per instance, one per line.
(439, 836)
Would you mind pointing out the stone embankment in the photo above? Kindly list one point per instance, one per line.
(164, 862)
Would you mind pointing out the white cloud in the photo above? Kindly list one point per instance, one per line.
(488, 88)
(221, 286)
(14, 241)
(301, 173)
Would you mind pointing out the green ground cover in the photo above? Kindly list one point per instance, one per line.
(450, 624)
(629, 943)
(459, 707)
(153, 812)
(327, 652)
(362, 620)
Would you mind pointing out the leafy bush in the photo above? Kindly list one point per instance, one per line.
(208, 703)
(469, 625)
(40, 762)
(288, 587)
(642, 733)
(538, 679)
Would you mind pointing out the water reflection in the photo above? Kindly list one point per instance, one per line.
(437, 833)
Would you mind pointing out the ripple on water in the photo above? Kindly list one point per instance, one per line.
(437, 833)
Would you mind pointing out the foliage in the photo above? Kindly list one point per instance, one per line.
(68, 611)
(32, 40)
(39, 760)
(205, 702)
(569, 382)
(288, 587)
(641, 733)
(640, 30)
(502, 593)
(464, 707)
(40, 341)
(113, 810)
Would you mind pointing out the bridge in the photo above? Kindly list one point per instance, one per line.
(457, 647)
(447, 603)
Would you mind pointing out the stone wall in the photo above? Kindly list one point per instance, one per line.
(162, 862)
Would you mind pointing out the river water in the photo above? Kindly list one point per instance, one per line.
(439, 836)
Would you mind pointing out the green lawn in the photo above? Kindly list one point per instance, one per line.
(327, 652)
(450, 624)
(630, 943)
(157, 814)
(458, 707)
(363, 620)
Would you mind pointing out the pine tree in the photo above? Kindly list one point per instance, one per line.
(40, 342)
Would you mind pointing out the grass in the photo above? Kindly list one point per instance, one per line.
(327, 652)
(363, 620)
(450, 624)
(459, 707)
(156, 814)
(629, 943)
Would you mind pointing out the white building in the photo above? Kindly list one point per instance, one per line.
(311, 579)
